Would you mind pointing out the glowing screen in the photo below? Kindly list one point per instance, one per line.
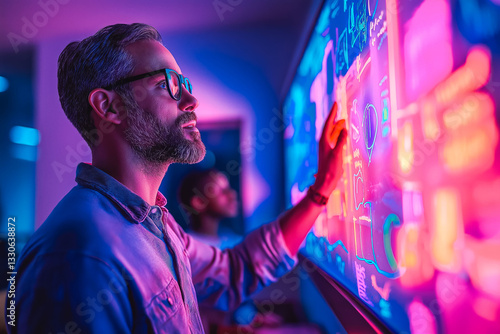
(413, 228)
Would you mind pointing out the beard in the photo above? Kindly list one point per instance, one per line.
(157, 143)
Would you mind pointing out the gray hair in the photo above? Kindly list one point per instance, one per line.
(97, 61)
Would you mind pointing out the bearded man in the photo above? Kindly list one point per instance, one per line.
(110, 258)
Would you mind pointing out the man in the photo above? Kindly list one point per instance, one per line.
(110, 258)
(207, 198)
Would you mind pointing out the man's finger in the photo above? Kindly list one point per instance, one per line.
(342, 139)
(330, 122)
(334, 135)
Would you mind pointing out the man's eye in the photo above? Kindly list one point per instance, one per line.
(163, 84)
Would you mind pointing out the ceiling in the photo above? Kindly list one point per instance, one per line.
(29, 23)
(38, 20)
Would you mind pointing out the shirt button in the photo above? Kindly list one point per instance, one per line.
(170, 301)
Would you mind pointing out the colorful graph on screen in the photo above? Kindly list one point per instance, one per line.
(413, 228)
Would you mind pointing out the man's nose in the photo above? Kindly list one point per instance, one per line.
(187, 102)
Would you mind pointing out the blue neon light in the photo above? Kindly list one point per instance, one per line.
(24, 135)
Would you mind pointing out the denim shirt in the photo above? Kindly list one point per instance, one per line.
(105, 261)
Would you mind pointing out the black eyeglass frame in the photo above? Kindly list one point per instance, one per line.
(166, 71)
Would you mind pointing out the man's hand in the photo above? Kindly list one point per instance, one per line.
(297, 222)
(330, 158)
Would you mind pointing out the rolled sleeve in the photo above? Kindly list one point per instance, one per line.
(223, 279)
(269, 254)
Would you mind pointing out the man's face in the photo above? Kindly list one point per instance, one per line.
(160, 129)
(222, 199)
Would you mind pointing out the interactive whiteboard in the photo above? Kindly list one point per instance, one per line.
(413, 229)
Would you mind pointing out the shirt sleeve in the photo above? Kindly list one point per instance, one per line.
(71, 293)
(223, 279)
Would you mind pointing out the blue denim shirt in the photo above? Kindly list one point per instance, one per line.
(105, 261)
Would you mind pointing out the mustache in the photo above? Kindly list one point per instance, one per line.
(185, 117)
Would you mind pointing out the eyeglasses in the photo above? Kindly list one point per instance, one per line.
(172, 78)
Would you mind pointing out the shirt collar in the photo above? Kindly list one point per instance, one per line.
(132, 204)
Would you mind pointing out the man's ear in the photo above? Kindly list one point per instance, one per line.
(102, 101)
